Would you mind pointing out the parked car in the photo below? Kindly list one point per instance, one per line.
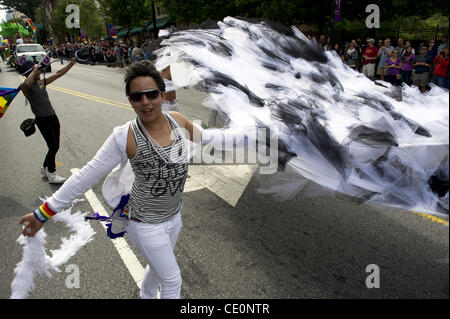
(29, 52)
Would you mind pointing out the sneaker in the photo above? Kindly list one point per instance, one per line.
(54, 178)
(44, 172)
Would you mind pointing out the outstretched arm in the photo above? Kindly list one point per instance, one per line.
(194, 132)
(61, 72)
(215, 136)
(104, 161)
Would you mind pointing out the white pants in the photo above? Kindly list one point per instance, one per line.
(369, 70)
(156, 243)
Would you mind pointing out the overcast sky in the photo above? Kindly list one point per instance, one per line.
(2, 15)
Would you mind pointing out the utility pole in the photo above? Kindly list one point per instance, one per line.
(44, 20)
(332, 25)
(155, 31)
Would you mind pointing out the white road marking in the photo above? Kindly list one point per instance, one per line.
(128, 257)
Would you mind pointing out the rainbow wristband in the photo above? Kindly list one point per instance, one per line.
(44, 213)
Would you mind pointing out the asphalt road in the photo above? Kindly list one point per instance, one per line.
(307, 247)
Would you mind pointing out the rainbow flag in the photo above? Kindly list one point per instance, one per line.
(6, 97)
(31, 25)
(112, 31)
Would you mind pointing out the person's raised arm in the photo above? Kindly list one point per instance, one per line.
(61, 72)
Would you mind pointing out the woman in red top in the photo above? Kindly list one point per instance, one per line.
(441, 70)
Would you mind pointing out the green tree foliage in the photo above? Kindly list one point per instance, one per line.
(437, 19)
(197, 11)
(90, 20)
(27, 7)
(289, 12)
(127, 13)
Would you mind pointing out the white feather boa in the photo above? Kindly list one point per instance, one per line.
(35, 260)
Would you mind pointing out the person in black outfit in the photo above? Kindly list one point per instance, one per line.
(34, 89)
(61, 54)
(92, 54)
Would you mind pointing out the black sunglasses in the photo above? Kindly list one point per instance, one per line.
(149, 94)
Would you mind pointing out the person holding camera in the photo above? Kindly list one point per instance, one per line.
(384, 53)
(352, 56)
(35, 90)
(441, 69)
(407, 65)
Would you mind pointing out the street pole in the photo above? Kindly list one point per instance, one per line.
(155, 32)
(332, 25)
(44, 19)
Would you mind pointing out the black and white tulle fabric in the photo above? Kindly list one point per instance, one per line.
(375, 142)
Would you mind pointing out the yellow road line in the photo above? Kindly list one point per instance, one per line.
(92, 99)
(433, 218)
(88, 95)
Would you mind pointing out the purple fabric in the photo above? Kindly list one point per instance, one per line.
(393, 71)
(337, 10)
(109, 232)
(408, 61)
(97, 216)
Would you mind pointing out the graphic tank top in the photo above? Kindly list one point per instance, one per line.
(160, 174)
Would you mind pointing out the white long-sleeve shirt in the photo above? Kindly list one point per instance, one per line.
(112, 153)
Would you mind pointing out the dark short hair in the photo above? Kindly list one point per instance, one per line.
(142, 68)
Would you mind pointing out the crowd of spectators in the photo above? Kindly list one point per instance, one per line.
(113, 54)
(378, 60)
(402, 63)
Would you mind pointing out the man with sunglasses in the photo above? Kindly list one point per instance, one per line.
(154, 146)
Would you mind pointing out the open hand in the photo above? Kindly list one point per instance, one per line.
(32, 226)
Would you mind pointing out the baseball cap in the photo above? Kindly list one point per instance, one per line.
(27, 127)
